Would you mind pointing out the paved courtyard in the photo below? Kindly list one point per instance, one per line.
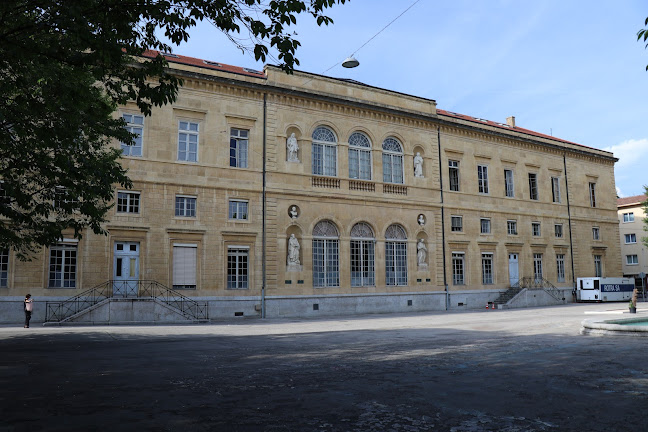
(489, 370)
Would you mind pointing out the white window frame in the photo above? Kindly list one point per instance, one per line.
(323, 166)
(239, 256)
(537, 267)
(592, 194)
(482, 179)
(132, 203)
(629, 238)
(632, 261)
(396, 256)
(453, 174)
(363, 256)
(389, 156)
(237, 214)
(536, 229)
(555, 189)
(360, 164)
(509, 184)
(137, 128)
(533, 187)
(558, 230)
(598, 266)
(488, 277)
(484, 223)
(628, 217)
(183, 279)
(456, 227)
(511, 227)
(560, 267)
(184, 137)
(458, 268)
(596, 233)
(65, 268)
(185, 210)
(239, 147)
(326, 256)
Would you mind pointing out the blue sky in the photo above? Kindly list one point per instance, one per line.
(573, 69)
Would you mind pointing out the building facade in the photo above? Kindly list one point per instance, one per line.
(298, 195)
(634, 256)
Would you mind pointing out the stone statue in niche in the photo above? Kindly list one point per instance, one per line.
(421, 220)
(293, 212)
(418, 165)
(421, 253)
(293, 251)
(292, 147)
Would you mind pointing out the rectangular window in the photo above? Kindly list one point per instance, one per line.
(560, 267)
(453, 170)
(185, 206)
(4, 268)
(487, 268)
(558, 230)
(535, 229)
(458, 268)
(188, 141)
(632, 259)
(359, 164)
(396, 263)
(598, 270)
(362, 263)
(128, 202)
(456, 223)
(596, 234)
(239, 148)
(555, 189)
(537, 266)
(592, 194)
(630, 238)
(533, 186)
(326, 263)
(392, 168)
(134, 125)
(482, 177)
(628, 217)
(237, 268)
(511, 227)
(485, 225)
(184, 266)
(324, 159)
(62, 197)
(508, 183)
(238, 210)
(62, 266)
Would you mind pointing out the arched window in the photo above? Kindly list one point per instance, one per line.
(392, 161)
(326, 266)
(359, 156)
(396, 255)
(324, 152)
(362, 255)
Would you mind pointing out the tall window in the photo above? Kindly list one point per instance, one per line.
(134, 125)
(628, 217)
(456, 223)
(592, 194)
(511, 227)
(630, 238)
(535, 229)
(482, 178)
(453, 171)
(128, 202)
(62, 266)
(188, 141)
(396, 255)
(632, 259)
(533, 186)
(598, 270)
(62, 197)
(560, 267)
(362, 255)
(596, 233)
(324, 152)
(326, 262)
(458, 268)
(555, 189)
(4, 268)
(508, 183)
(487, 268)
(537, 266)
(237, 267)
(184, 266)
(392, 161)
(359, 156)
(558, 230)
(238, 210)
(185, 206)
(485, 226)
(239, 148)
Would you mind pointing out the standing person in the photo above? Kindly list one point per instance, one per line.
(29, 304)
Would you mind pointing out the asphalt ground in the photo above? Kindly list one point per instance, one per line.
(489, 370)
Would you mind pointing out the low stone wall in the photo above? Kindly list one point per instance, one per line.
(538, 297)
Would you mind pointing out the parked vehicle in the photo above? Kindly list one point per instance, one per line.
(603, 289)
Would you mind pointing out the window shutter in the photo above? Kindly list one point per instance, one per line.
(184, 265)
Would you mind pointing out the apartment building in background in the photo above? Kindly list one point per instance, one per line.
(634, 256)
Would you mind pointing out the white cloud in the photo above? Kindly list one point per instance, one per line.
(630, 171)
(630, 152)
(619, 193)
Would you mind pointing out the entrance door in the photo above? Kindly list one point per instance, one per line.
(514, 273)
(126, 265)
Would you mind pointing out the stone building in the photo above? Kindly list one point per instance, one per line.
(298, 195)
(634, 256)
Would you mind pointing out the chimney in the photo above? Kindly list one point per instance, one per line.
(510, 121)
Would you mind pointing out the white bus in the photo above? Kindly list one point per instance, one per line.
(600, 289)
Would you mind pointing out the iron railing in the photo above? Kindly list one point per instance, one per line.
(57, 311)
(538, 283)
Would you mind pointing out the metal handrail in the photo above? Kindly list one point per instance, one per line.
(57, 311)
(532, 283)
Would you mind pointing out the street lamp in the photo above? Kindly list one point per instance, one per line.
(350, 62)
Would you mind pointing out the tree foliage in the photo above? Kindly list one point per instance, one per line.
(65, 66)
(642, 35)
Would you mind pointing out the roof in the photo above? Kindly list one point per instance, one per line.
(637, 199)
(206, 64)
